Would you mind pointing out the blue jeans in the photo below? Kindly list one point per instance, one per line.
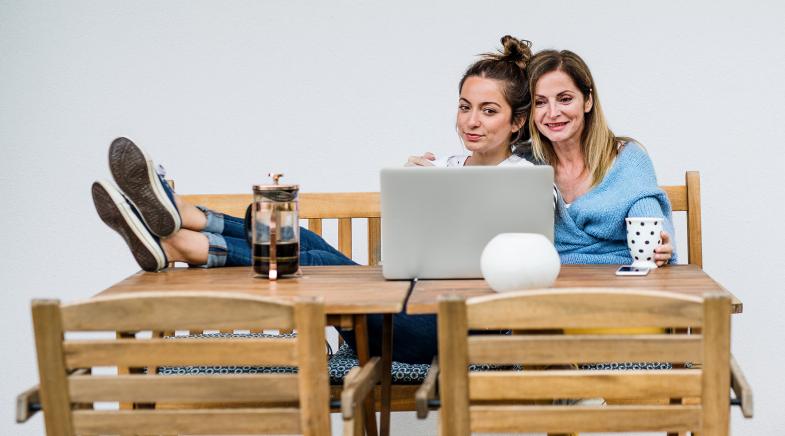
(414, 338)
(229, 246)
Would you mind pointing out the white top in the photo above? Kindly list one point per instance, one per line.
(512, 161)
(460, 160)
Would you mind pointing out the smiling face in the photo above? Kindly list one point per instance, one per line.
(484, 118)
(559, 108)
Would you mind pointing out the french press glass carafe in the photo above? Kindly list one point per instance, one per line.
(275, 229)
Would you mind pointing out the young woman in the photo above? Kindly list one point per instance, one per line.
(601, 178)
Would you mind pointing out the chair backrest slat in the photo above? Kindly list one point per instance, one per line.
(240, 388)
(568, 419)
(217, 422)
(532, 385)
(162, 311)
(567, 349)
(180, 351)
(584, 308)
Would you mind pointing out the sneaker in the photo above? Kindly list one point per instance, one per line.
(121, 216)
(136, 175)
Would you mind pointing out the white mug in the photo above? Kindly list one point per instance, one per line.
(643, 236)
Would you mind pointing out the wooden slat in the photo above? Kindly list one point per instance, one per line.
(186, 389)
(716, 364)
(340, 205)
(453, 378)
(741, 388)
(315, 225)
(221, 421)
(374, 241)
(554, 349)
(186, 351)
(584, 308)
(312, 205)
(525, 385)
(567, 419)
(313, 382)
(48, 327)
(182, 310)
(695, 255)
(677, 195)
(345, 236)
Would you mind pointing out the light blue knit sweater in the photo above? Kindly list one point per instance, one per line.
(592, 230)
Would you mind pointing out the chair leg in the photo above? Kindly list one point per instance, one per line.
(387, 337)
(363, 355)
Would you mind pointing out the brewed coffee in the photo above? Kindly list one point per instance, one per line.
(287, 256)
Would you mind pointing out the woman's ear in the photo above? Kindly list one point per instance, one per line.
(588, 104)
(518, 124)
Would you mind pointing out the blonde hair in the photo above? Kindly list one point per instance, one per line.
(598, 143)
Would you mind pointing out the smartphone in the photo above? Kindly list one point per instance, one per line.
(629, 270)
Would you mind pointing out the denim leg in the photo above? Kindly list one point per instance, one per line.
(321, 257)
(414, 337)
(226, 251)
(223, 224)
(311, 241)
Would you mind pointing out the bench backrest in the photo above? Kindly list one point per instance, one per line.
(344, 207)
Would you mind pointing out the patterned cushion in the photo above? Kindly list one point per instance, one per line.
(338, 366)
(202, 370)
(625, 366)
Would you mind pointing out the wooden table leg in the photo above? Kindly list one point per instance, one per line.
(363, 355)
(387, 347)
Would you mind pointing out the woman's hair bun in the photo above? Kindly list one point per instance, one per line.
(516, 50)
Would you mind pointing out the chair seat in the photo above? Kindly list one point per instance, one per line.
(338, 366)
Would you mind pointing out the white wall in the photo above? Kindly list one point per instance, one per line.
(329, 92)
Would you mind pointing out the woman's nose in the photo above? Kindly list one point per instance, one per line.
(553, 110)
(474, 119)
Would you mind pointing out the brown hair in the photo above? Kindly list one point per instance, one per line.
(598, 143)
(509, 67)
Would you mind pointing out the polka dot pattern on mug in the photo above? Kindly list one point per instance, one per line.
(642, 238)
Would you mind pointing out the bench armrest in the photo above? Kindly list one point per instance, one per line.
(27, 404)
(741, 389)
(358, 383)
(427, 390)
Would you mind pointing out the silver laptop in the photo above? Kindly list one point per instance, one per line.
(436, 221)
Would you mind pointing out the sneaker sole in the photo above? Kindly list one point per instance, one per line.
(117, 214)
(134, 172)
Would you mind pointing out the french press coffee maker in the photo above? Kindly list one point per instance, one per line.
(275, 229)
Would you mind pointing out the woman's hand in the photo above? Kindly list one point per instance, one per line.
(663, 252)
(421, 161)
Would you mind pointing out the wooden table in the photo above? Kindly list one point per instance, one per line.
(687, 279)
(349, 294)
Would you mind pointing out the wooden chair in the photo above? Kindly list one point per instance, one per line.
(502, 401)
(263, 403)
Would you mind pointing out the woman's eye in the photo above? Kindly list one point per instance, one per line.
(463, 107)
(489, 111)
(539, 103)
(565, 100)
